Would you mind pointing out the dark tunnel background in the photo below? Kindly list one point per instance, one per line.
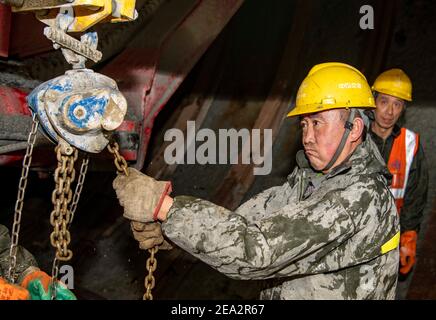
(263, 53)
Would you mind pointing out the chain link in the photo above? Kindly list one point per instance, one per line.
(150, 281)
(120, 162)
(151, 265)
(60, 218)
(27, 160)
(62, 195)
(79, 187)
(54, 277)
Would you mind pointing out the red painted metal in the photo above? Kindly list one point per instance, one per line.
(7, 160)
(13, 101)
(128, 125)
(5, 27)
(156, 63)
(129, 155)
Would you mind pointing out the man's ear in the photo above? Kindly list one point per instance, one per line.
(357, 131)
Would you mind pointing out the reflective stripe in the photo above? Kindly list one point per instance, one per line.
(410, 153)
(391, 244)
(400, 160)
(398, 193)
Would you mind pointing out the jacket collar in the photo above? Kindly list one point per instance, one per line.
(395, 131)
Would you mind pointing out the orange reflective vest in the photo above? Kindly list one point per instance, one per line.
(403, 151)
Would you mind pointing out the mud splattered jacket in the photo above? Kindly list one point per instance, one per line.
(314, 237)
(25, 260)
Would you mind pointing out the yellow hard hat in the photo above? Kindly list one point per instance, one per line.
(332, 85)
(394, 82)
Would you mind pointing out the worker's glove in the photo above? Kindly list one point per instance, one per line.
(39, 286)
(140, 195)
(408, 250)
(149, 235)
(10, 291)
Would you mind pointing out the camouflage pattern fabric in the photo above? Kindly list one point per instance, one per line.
(315, 237)
(25, 260)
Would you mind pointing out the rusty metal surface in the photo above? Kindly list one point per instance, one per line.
(151, 69)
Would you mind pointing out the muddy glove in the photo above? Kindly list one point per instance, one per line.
(140, 195)
(9, 291)
(407, 250)
(149, 235)
(39, 287)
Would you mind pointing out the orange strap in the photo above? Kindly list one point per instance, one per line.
(10, 291)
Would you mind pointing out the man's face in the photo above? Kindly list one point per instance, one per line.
(322, 133)
(388, 110)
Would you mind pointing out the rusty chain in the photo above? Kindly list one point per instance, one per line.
(27, 160)
(151, 265)
(61, 216)
(54, 277)
(73, 207)
(120, 162)
(62, 195)
(150, 281)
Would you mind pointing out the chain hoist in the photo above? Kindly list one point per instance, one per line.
(77, 111)
(151, 264)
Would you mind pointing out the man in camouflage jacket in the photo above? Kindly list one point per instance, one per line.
(330, 232)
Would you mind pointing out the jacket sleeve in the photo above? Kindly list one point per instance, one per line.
(25, 260)
(261, 249)
(416, 193)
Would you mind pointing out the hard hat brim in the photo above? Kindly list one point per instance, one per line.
(315, 108)
(392, 93)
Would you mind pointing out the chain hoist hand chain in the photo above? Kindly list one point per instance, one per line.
(27, 160)
(60, 217)
(151, 265)
(79, 187)
(73, 207)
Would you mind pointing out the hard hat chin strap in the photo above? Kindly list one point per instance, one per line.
(348, 127)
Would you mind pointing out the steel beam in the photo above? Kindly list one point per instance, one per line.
(151, 69)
